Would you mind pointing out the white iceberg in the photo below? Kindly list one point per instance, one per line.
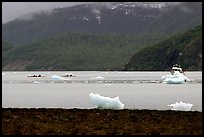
(55, 77)
(99, 77)
(176, 78)
(181, 106)
(106, 102)
(37, 82)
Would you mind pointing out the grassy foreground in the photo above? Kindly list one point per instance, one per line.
(52, 121)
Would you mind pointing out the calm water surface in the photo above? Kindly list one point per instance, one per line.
(137, 90)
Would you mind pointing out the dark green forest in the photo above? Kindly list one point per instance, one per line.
(184, 49)
(85, 51)
(129, 37)
(77, 51)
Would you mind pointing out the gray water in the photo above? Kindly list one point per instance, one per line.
(137, 90)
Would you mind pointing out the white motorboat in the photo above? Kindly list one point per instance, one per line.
(176, 67)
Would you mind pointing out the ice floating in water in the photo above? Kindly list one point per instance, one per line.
(181, 106)
(176, 78)
(37, 82)
(99, 77)
(55, 77)
(106, 102)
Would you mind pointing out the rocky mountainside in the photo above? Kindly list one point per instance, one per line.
(102, 36)
(184, 49)
(105, 17)
(76, 51)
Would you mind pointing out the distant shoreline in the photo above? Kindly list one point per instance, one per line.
(57, 121)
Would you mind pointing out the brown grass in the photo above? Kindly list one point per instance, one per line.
(99, 122)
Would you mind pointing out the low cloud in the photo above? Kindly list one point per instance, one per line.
(23, 10)
(13, 10)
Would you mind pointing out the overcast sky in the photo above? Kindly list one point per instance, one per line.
(12, 10)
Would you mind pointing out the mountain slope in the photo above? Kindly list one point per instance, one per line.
(6, 48)
(111, 17)
(184, 49)
(183, 16)
(78, 51)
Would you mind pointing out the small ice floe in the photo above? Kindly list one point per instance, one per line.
(107, 84)
(37, 82)
(154, 81)
(176, 78)
(106, 102)
(181, 106)
(55, 77)
(99, 77)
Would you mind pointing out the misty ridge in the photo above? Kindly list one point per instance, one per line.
(94, 36)
(29, 10)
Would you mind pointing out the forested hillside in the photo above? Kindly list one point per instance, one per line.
(111, 17)
(6, 48)
(78, 51)
(184, 49)
(104, 37)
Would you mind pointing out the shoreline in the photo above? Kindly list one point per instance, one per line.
(58, 121)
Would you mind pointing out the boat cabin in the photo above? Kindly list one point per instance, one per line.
(176, 67)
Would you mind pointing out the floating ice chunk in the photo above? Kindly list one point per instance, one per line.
(106, 102)
(55, 77)
(37, 82)
(179, 80)
(99, 77)
(176, 78)
(181, 106)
